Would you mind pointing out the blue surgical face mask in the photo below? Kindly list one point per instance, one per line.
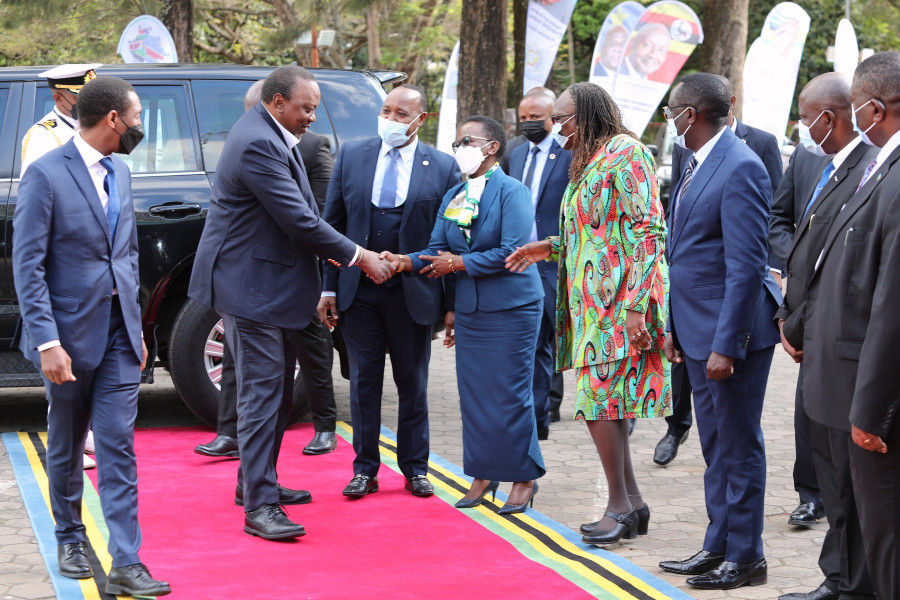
(677, 138)
(393, 133)
(862, 134)
(807, 140)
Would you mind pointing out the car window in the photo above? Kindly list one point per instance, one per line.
(346, 96)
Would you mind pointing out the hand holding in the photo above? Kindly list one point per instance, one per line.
(636, 330)
(797, 355)
(449, 337)
(530, 253)
(327, 311)
(672, 353)
(56, 365)
(378, 270)
(867, 441)
(719, 366)
(397, 261)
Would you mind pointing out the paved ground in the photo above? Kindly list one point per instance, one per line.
(572, 492)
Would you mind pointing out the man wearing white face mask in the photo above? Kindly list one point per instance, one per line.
(384, 195)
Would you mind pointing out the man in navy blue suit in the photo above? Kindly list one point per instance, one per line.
(543, 166)
(384, 194)
(257, 264)
(723, 300)
(75, 262)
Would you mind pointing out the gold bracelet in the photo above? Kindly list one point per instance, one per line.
(451, 265)
(402, 260)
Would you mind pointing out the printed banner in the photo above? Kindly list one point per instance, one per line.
(770, 71)
(660, 44)
(446, 132)
(547, 22)
(146, 40)
(611, 41)
(846, 50)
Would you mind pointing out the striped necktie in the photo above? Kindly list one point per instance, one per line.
(685, 181)
(866, 173)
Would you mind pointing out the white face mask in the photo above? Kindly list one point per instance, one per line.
(393, 133)
(562, 140)
(469, 158)
(673, 130)
(807, 140)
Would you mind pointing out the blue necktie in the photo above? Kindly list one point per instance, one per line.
(388, 198)
(829, 169)
(112, 190)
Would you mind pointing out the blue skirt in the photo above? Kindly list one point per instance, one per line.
(494, 371)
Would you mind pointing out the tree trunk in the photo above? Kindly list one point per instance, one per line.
(373, 16)
(725, 42)
(178, 17)
(482, 60)
(520, 22)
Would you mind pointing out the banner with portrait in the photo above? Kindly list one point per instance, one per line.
(611, 40)
(547, 23)
(146, 40)
(846, 50)
(770, 71)
(446, 131)
(659, 45)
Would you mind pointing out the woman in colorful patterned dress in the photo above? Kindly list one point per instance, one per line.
(612, 290)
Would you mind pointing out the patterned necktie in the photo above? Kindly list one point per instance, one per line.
(866, 173)
(685, 181)
(829, 169)
(388, 198)
(530, 175)
(112, 190)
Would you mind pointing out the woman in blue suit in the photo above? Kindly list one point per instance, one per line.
(497, 315)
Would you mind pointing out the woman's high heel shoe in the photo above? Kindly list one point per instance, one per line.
(509, 509)
(473, 502)
(625, 528)
(643, 515)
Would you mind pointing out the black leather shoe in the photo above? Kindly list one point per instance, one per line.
(135, 580)
(285, 496)
(361, 485)
(625, 528)
(419, 485)
(730, 575)
(554, 415)
(643, 514)
(321, 443)
(543, 433)
(269, 522)
(820, 593)
(667, 448)
(806, 514)
(222, 446)
(73, 562)
(698, 564)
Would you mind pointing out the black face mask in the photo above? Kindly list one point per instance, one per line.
(533, 131)
(73, 111)
(130, 139)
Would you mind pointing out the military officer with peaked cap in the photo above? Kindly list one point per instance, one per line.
(59, 125)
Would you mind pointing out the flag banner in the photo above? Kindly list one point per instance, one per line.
(146, 40)
(660, 44)
(846, 49)
(547, 22)
(446, 132)
(770, 71)
(611, 41)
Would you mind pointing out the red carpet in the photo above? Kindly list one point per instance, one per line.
(387, 545)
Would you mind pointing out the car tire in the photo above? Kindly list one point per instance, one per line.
(195, 362)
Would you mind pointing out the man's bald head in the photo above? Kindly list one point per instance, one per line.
(541, 91)
(829, 91)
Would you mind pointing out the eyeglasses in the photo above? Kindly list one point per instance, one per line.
(557, 118)
(667, 110)
(466, 140)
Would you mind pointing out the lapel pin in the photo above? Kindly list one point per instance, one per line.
(424, 163)
(552, 157)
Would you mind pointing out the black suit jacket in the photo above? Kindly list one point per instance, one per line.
(850, 372)
(811, 232)
(315, 150)
(796, 187)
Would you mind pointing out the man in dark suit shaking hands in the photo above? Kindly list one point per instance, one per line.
(384, 194)
(257, 265)
(723, 301)
(75, 261)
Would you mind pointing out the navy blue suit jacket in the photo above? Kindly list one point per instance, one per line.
(722, 296)
(554, 180)
(257, 257)
(66, 265)
(503, 223)
(349, 210)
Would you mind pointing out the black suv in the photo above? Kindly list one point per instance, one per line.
(188, 112)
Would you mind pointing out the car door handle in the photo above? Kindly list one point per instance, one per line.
(175, 210)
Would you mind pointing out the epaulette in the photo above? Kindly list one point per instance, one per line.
(48, 124)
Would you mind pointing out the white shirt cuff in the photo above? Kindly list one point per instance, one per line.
(48, 345)
(357, 256)
(328, 294)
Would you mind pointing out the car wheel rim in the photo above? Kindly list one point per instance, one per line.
(213, 351)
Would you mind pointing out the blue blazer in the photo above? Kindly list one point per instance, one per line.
(257, 257)
(65, 263)
(722, 296)
(503, 223)
(554, 180)
(348, 209)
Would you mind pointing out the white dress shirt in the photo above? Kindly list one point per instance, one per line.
(541, 161)
(404, 171)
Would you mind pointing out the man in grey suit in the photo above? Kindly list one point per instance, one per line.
(257, 265)
(826, 129)
(75, 216)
